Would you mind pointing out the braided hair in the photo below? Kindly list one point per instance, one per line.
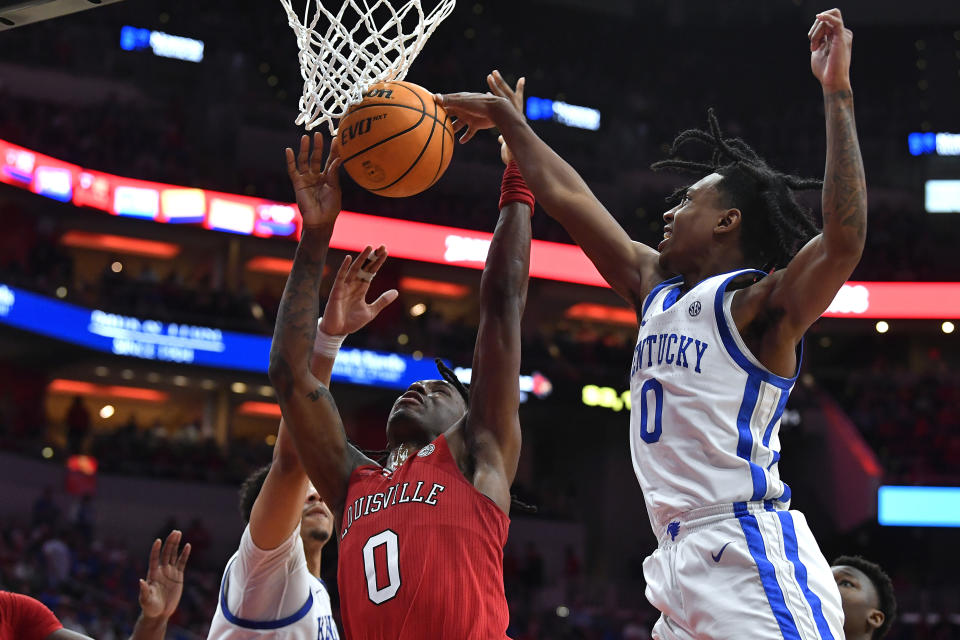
(447, 374)
(774, 226)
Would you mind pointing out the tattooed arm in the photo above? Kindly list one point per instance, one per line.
(797, 296)
(309, 411)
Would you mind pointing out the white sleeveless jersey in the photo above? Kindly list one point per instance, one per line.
(705, 414)
(271, 594)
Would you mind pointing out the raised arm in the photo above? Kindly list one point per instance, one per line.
(308, 409)
(492, 428)
(631, 268)
(808, 285)
(279, 506)
(160, 592)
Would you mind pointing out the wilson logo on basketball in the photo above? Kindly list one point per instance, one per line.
(379, 93)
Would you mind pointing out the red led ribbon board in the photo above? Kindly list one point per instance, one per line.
(896, 300)
(436, 244)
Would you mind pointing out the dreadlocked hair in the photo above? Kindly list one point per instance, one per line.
(886, 599)
(447, 374)
(774, 226)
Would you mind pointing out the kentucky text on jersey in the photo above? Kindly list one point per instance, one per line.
(399, 493)
(670, 348)
(326, 628)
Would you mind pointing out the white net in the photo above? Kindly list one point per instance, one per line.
(365, 42)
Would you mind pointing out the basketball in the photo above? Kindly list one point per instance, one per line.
(397, 142)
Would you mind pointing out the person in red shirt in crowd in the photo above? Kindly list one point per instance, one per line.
(25, 618)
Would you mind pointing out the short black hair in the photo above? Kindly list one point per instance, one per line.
(250, 489)
(774, 225)
(887, 600)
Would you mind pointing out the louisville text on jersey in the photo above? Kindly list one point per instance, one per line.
(399, 493)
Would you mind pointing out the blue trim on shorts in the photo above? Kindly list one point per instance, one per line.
(745, 440)
(260, 624)
(800, 572)
(768, 575)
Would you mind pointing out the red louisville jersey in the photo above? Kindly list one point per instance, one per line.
(421, 553)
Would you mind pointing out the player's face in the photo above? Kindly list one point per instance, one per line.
(860, 602)
(425, 410)
(316, 523)
(689, 226)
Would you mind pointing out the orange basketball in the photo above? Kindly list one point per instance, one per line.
(397, 142)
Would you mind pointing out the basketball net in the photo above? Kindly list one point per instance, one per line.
(365, 42)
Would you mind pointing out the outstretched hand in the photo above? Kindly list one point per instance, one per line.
(831, 45)
(499, 87)
(160, 592)
(347, 308)
(479, 111)
(317, 184)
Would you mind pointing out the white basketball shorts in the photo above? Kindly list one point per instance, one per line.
(742, 571)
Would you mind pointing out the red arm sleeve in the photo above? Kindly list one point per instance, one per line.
(23, 618)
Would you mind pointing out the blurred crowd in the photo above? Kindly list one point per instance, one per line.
(911, 419)
(88, 577)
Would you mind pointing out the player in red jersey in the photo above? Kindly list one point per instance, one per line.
(421, 538)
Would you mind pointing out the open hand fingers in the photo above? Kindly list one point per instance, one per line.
(316, 158)
(291, 163)
(304, 155)
(332, 171)
(378, 258)
(354, 272)
(384, 300)
(154, 564)
(471, 131)
(344, 268)
(169, 552)
(184, 556)
(497, 85)
(518, 94)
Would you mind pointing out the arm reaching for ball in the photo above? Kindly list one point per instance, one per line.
(631, 268)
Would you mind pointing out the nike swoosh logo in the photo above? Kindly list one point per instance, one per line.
(716, 556)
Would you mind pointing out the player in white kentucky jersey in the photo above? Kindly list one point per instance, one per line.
(271, 587)
(717, 353)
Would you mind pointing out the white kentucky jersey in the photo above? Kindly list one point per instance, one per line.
(271, 594)
(705, 414)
